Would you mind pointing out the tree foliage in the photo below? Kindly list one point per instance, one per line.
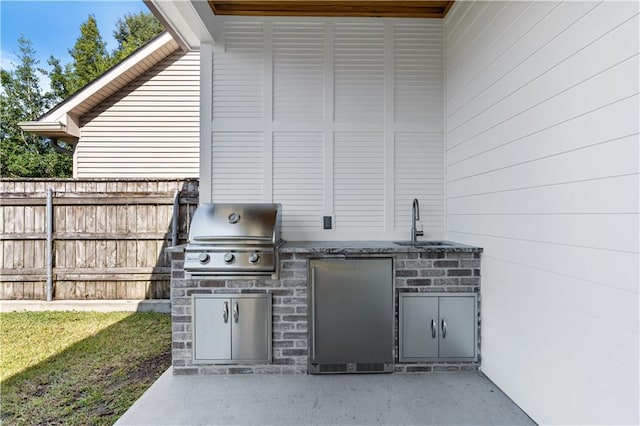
(22, 99)
(90, 58)
(90, 55)
(57, 80)
(133, 31)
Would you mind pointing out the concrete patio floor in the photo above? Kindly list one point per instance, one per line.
(389, 399)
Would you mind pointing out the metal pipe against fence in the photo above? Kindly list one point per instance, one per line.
(49, 226)
(174, 218)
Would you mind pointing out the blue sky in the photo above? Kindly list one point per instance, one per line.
(54, 26)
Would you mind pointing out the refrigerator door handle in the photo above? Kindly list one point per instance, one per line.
(313, 313)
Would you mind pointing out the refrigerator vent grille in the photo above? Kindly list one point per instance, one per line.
(370, 368)
(332, 368)
(351, 368)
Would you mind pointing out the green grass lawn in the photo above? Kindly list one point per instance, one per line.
(78, 368)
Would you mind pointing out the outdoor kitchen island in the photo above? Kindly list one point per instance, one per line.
(424, 270)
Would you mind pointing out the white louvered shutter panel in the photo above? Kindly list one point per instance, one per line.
(236, 167)
(418, 74)
(238, 72)
(237, 154)
(298, 179)
(359, 180)
(298, 71)
(359, 72)
(419, 167)
(300, 117)
(418, 99)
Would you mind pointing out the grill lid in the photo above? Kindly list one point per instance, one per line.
(234, 241)
(248, 223)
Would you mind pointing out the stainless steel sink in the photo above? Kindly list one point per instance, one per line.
(423, 243)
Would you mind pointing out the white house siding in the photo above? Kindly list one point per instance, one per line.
(150, 128)
(345, 114)
(542, 157)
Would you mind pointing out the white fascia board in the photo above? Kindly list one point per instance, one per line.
(64, 126)
(182, 20)
(40, 126)
(63, 121)
(63, 116)
(51, 129)
(65, 111)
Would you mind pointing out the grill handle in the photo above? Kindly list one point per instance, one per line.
(232, 238)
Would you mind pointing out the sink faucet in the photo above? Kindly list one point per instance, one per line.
(415, 215)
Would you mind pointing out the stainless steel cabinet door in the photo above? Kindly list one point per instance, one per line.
(232, 329)
(352, 310)
(249, 329)
(437, 326)
(419, 328)
(211, 329)
(457, 327)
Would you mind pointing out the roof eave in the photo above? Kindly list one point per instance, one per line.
(183, 21)
(103, 87)
(50, 129)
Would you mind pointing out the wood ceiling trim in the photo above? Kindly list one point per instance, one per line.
(333, 8)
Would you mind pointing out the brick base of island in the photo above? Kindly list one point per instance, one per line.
(452, 268)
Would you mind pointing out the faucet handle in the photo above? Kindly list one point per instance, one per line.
(420, 233)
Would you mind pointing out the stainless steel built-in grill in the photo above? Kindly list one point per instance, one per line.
(234, 241)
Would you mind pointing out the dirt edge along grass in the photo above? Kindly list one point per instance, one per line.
(107, 362)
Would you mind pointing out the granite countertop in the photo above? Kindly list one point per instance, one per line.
(372, 247)
(363, 247)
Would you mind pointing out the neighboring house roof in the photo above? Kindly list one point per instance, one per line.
(63, 121)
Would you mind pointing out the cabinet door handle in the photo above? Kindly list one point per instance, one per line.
(236, 311)
(444, 328)
(434, 328)
(225, 312)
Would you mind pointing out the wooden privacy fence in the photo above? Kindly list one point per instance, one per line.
(91, 238)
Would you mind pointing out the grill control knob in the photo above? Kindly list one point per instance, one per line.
(228, 258)
(254, 258)
(203, 258)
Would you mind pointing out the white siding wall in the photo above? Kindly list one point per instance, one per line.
(346, 116)
(542, 157)
(150, 128)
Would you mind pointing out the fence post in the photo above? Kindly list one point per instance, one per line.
(49, 226)
(174, 218)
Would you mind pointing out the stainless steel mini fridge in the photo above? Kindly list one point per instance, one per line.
(351, 315)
